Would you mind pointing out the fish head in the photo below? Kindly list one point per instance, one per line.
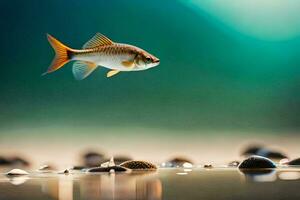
(146, 60)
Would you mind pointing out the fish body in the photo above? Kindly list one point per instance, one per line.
(101, 51)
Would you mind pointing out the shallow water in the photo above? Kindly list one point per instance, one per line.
(221, 183)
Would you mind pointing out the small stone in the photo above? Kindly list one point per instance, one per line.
(17, 172)
(66, 171)
(208, 166)
(257, 162)
(107, 169)
(46, 168)
(233, 163)
(177, 162)
(294, 162)
(138, 165)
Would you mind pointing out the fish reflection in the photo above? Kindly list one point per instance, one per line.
(260, 175)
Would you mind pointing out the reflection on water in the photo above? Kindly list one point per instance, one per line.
(289, 175)
(163, 184)
(18, 180)
(268, 175)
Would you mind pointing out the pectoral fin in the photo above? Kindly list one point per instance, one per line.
(112, 73)
(81, 69)
(128, 64)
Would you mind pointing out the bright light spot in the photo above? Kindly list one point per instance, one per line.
(182, 173)
(187, 165)
(284, 161)
(289, 175)
(163, 164)
(264, 19)
(187, 170)
(265, 177)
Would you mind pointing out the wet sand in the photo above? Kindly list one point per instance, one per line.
(196, 183)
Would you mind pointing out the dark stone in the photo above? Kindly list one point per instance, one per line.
(177, 162)
(294, 162)
(107, 169)
(136, 164)
(208, 166)
(78, 167)
(4, 161)
(93, 159)
(257, 162)
(233, 163)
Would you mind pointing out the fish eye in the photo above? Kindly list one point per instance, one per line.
(148, 59)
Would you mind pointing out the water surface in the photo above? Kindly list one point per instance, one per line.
(189, 184)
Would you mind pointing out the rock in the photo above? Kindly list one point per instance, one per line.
(138, 165)
(208, 166)
(66, 171)
(177, 162)
(93, 159)
(17, 172)
(294, 162)
(78, 167)
(233, 163)
(257, 162)
(4, 161)
(46, 168)
(107, 169)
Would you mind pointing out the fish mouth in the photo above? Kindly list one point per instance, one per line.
(156, 61)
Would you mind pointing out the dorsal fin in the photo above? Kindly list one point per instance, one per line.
(96, 41)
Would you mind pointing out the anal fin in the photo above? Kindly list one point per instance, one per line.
(82, 69)
(112, 73)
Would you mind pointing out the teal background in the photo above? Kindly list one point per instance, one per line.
(211, 76)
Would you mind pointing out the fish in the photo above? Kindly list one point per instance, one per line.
(100, 51)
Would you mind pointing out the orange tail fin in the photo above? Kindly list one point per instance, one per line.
(63, 54)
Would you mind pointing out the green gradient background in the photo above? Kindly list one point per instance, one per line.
(211, 77)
